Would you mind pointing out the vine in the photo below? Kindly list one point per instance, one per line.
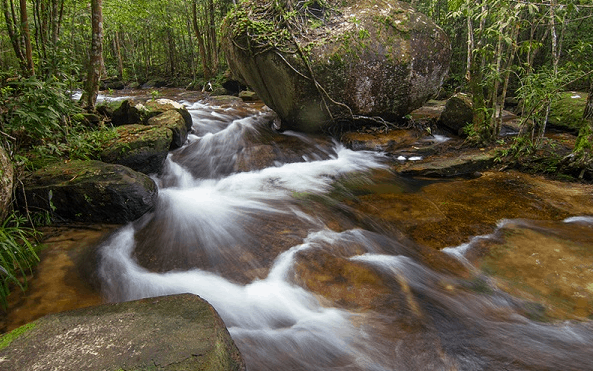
(277, 26)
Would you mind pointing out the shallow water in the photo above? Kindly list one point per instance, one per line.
(301, 283)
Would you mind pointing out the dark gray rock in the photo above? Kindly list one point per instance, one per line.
(90, 191)
(458, 112)
(468, 164)
(181, 332)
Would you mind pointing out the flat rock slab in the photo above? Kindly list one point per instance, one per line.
(451, 166)
(179, 332)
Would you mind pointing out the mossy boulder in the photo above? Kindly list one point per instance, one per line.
(365, 59)
(141, 148)
(457, 114)
(6, 183)
(180, 332)
(173, 121)
(129, 111)
(90, 191)
(567, 112)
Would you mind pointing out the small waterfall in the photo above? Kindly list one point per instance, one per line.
(299, 295)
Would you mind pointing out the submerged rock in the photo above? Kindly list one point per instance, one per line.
(141, 148)
(542, 261)
(90, 191)
(446, 213)
(351, 59)
(388, 141)
(6, 183)
(181, 332)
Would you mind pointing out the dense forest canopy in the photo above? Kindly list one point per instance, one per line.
(527, 49)
(178, 39)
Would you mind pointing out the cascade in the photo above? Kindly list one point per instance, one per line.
(301, 286)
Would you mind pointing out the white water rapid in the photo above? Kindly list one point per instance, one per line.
(248, 241)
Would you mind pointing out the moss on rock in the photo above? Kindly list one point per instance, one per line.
(91, 191)
(367, 59)
(180, 332)
(141, 148)
(567, 112)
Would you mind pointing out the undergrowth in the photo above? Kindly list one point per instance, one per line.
(18, 254)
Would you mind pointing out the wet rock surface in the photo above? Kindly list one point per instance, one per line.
(173, 121)
(65, 277)
(545, 262)
(91, 191)
(180, 332)
(449, 213)
(469, 163)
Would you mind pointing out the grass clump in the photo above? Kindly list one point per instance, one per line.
(18, 254)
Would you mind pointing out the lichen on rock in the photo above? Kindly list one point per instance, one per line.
(320, 64)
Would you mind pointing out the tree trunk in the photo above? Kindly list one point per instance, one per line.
(29, 68)
(200, 37)
(13, 32)
(588, 112)
(91, 90)
(120, 64)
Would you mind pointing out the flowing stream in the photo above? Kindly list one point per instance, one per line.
(299, 284)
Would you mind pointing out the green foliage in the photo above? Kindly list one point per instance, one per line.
(538, 92)
(34, 109)
(81, 143)
(18, 254)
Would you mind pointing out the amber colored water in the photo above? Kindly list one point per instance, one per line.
(321, 258)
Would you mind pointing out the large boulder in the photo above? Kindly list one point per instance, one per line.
(181, 332)
(90, 191)
(141, 148)
(6, 183)
(350, 60)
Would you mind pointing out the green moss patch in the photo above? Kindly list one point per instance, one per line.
(567, 112)
(8, 338)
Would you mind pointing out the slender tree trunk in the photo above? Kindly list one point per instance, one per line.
(120, 64)
(91, 90)
(512, 51)
(213, 39)
(30, 69)
(588, 112)
(200, 38)
(13, 32)
(555, 61)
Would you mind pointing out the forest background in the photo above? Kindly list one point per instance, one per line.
(529, 51)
